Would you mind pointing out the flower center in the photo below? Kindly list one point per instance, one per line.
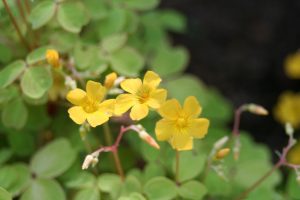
(90, 106)
(181, 122)
(143, 94)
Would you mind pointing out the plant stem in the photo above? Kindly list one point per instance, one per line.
(15, 24)
(177, 167)
(259, 181)
(108, 139)
(27, 6)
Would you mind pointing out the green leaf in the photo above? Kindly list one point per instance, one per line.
(173, 21)
(293, 187)
(72, 16)
(81, 180)
(113, 23)
(15, 178)
(136, 196)
(22, 143)
(53, 159)
(4, 195)
(36, 81)
(114, 42)
(8, 93)
(127, 61)
(5, 155)
(44, 189)
(11, 72)
(141, 4)
(168, 61)
(130, 185)
(6, 53)
(42, 13)
(110, 183)
(160, 188)
(192, 190)
(88, 194)
(37, 55)
(97, 9)
(191, 164)
(14, 114)
(63, 41)
(152, 170)
(84, 55)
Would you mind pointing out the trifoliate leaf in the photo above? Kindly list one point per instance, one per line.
(42, 13)
(11, 72)
(36, 81)
(53, 159)
(44, 189)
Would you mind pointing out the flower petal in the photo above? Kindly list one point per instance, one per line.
(139, 111)
(108, 106)
(77, 114)
(124, 102)
(95, 91)
(151, 79)
(76, 96)
(131, 85)
(164, 129)
(170, 109)
(157, 98)
(192, 107)
(181, 142)
(97, 118)
(198, 127)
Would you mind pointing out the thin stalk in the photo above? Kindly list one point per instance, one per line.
(27, 6)
(108, 140)
(177, 167)
(15, 24)
(259, 181)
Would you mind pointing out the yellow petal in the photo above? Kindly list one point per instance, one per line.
(139, 111)
(131, 85)
(181, 142)
(97, 118)
(164, 129)
(198, 127)
(191, 106)
(77, 114)
(124, 102)
(157, 98)
(108, 106)
(151, 79)
(76, 96)
(170, 109)
(95, 91)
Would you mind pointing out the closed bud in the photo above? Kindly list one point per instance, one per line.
(89, 160)
(145, 136)
(222, 153)
(257, 109)
(52, 57)
(110, 80)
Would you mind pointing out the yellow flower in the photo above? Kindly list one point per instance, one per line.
(292, 65)
(110, 80)
(293, 156)
(288, 109)
(89, 105)
(180, 125)
(52, 57)
(142, 95)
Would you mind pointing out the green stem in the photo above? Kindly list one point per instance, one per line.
(177, 167)
(108, 140)
(258, 182)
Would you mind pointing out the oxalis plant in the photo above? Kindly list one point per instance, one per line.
(95, 105)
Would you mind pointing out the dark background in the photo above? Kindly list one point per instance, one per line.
(239, 46)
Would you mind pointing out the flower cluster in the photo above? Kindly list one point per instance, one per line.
(179, 124)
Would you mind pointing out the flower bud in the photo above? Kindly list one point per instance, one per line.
(110, 80)
(52, 57)
(289, 129)
(89, 160)
(220, 143)
(257, 109)
(145, 136)
(222, 153)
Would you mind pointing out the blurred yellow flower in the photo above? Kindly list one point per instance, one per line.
(142, 95)
(180, 125)
(52, 57)
(292, 65)
(293, 155)
(288, 109)
(110, 80)
(89, 105)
